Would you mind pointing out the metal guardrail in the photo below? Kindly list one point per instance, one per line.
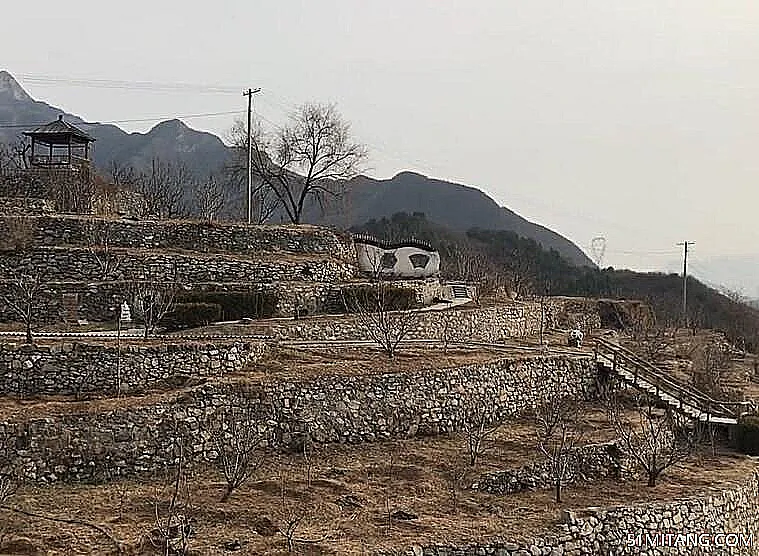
(622, 358)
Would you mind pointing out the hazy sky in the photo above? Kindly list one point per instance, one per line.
(636, 121)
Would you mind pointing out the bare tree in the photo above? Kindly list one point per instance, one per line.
(479, 425)
(123, 175)
(151, 301)
(652, 343)
(9, 476)
(455, 477)
(377, 319)
(13, 156)
(208, 198)
(292, 517)
(308, 455)
(308, 159)
(163, 187)
(652, 439)
(711, 364)
(23, 294)
(558, 435)
(98, 237)
(173, 518)
(521, 272)
(238, 443)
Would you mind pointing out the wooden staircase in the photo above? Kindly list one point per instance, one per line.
(683, 398)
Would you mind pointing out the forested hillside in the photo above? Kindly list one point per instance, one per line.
(504, 261)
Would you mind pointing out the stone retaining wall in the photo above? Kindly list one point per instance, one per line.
(80, 446)
(203, 237)
(480, 324)
(100, 301)
(30, 206)
(55, 264)
(80, 369)
(586, 464)
(731, 510)
(622, 530)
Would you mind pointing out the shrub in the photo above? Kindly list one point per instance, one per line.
(746, 438)
(190, 315)
(235, 305)
(365, 295)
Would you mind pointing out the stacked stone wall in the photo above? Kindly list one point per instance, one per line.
(724, 522)
(481, 324)
(83, 446)
(584, 464)
(26, 206)
(203, 237)
(57, 265)
(82, 369)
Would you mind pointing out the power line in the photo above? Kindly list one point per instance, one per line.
(152, 86)
(132, 120)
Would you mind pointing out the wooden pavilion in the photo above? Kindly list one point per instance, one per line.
(60, 145)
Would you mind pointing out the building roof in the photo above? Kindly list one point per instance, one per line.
(367, 239)
(59, 131)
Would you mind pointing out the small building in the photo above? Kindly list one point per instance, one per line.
(60, 145)
(405, 259)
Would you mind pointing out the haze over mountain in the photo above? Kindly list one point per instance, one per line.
(459, 207)
(172, 140)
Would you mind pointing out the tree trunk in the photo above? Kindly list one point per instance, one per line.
(29, 338)
(227, 493)
(558, 491)
(652, 478)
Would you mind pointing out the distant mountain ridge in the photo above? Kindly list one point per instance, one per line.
(172, 140)
(459, 207)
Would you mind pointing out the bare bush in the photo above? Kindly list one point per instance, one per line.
(558, 435)
(24, 295)
(479, 425)
(208, 198)
(108, 260)
(291, 516)
(653, 439)
(172, 503)
(238, 444)
(375, 318)
(711, 365)
(152, 298)
(455, 476)
(72, 192)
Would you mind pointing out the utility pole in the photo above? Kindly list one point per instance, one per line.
(685, 245)
(249, 93)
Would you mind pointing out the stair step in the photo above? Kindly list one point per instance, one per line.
(668, 395)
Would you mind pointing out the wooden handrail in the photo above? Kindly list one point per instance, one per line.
(683, 392)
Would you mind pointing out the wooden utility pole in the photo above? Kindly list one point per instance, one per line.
(685, 245)
(249, 93)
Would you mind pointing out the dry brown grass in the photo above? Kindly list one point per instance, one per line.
(301, 362)
(415, 483)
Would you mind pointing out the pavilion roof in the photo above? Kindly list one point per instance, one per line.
(59, 131)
